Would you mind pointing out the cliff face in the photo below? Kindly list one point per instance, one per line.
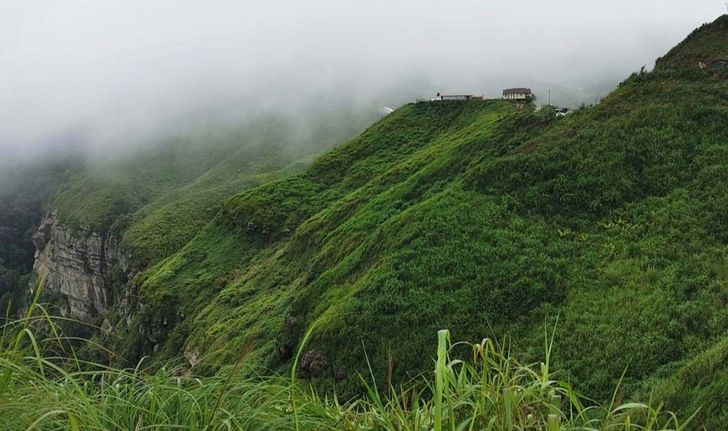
(75, 267)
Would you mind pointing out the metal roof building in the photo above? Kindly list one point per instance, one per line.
(517, 93)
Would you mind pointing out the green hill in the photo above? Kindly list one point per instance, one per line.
(706, 44)
(484, 217)
(157, 198)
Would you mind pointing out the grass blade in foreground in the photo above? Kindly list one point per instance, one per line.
(490, 391)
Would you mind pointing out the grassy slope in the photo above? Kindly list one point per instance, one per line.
(273, 210)
(109, 189)
(639, 195)
(476, 216)
(337, 211)
(699, 383)
(270, 148)
(157, 199)
(484, 219)
(168, 222)
(705, 44)
(486, 390)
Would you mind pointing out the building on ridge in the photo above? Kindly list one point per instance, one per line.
(443, 96)
(517, 94)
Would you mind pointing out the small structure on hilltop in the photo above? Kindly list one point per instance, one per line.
(443, 96)
(517, 94)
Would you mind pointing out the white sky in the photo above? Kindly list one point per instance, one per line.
(115, 70)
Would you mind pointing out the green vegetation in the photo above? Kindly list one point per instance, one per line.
(158, 198)
(488, 390)
(699, 383)
(705, 44)
(485, 217)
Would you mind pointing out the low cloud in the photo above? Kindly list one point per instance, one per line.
(111, 75)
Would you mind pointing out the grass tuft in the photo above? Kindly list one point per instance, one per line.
(488, 390)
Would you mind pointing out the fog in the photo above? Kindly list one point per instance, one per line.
(112, 75)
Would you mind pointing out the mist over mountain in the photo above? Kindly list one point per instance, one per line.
(198, 199)
(119, 75)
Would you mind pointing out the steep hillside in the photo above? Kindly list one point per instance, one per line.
(119, 216)
(267, 149)
(699, 383)
(706, 44)
(486, 218)
(253, 226)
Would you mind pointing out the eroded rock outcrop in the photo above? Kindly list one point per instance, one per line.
(75, 267)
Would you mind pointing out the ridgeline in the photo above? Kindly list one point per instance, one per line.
(485, 217)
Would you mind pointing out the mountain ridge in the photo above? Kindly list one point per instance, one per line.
(484, 217)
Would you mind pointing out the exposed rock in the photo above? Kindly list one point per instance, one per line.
(74, 266)
(313, 364)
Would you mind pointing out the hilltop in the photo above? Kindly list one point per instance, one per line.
(480, 216)
(706, 44)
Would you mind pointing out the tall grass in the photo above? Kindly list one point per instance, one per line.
(43, 386)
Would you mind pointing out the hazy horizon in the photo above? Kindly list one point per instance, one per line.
(113, 74)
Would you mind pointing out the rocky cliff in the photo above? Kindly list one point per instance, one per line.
(75, 266)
